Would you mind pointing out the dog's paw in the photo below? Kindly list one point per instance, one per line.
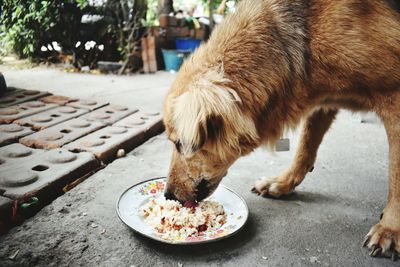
(383, 241)
(272, 186)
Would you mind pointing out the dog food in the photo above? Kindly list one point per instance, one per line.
(173, 221)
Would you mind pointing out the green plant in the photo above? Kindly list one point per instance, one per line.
(151, 18)
(5, 47)
(22, 21)
(31, 24)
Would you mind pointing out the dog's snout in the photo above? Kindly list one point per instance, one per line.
(202, 190)
(169, 195)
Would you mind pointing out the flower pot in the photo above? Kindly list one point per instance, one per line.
(187, 44)
(173, 59)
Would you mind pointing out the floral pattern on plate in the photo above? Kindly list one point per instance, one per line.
(152, 188)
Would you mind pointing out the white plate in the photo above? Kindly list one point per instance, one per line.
(134, 197)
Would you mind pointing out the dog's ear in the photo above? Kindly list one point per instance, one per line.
(210, 111)
(210, 130)
(200, 115)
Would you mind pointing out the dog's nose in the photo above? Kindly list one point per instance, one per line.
(203, 190)
(169, 196)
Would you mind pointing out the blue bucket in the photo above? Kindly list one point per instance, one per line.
(173, 59)
(187, 44)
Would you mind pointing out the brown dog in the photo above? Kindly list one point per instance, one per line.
(271, 64)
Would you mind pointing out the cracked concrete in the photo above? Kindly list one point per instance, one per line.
(322, 224)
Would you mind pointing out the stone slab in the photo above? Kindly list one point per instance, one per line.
(109, 114)
(61, 134)
(16, 155)
(10, 133)
(150, 121)
(20, 96)
(45, 175)
(87, 104)
(106, 142)
(5, 204)
(51, 117)
(5, 213)
(139, 91)
(57, 99)
(10, 114)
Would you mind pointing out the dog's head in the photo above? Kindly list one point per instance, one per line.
(205, 122)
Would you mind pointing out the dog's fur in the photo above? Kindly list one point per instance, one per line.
(271, 64)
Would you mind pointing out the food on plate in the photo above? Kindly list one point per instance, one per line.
(172, 220)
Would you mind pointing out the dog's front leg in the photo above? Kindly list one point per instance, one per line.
(314, 129)
(384, 238)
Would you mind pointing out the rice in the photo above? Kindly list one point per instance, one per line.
(172, 221)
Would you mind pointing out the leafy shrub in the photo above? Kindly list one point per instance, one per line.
(31, 24)
(42, 29)
(5, 47)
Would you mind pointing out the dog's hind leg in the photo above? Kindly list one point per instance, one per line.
(384, 238)
(314, 129)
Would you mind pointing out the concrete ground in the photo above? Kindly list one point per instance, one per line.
(140, 91)
(322, 224)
